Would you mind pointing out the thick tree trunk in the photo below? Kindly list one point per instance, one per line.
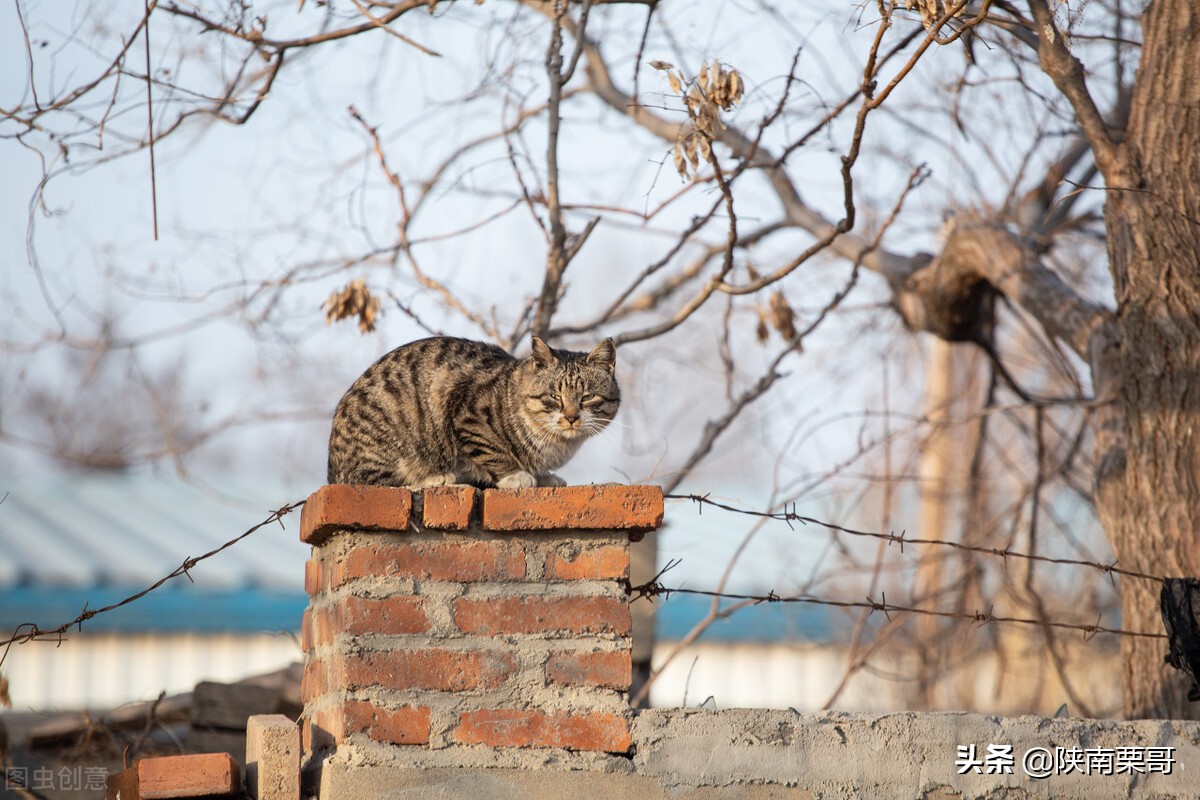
(1151, 510)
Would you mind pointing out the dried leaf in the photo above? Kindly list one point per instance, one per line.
(761, 332)
(705, 148)
(707, 119)
(355, 300)
(702, 78)
(673, 79)
(783, 319)
(680, 162)
(662, 66)
(689, 149)
(5, 700)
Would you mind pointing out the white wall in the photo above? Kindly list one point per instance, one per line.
(102, 671)
(804, 676)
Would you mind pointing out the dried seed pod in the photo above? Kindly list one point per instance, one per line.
(761, 331)
(355, 300)
(783, 318)
(680, 161)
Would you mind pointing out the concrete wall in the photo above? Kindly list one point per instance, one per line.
(754, 753)
(466, 645)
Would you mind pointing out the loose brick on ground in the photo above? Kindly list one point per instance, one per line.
(204, 775)
(272, 758)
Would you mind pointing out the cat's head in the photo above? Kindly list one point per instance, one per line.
(568, 394)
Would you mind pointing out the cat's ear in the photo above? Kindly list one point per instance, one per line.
(543, 356)
(604, 355)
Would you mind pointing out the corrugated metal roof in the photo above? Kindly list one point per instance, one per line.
(121, 531)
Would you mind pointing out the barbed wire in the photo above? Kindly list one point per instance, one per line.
(654, 588)
(28, 631)
(903, 539)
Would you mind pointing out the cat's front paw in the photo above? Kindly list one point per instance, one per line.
(445, 479)
(551, 480)
(517, 480)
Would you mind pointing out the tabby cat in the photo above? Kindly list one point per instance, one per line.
(444, 410)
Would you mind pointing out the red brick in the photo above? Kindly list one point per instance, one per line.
(330, 726)
(542, 615)
(510, 727)
(437, 561)
(319, 626)
(317, 730)
(598, 563)
(433, 668)
(573, 507)
(604, 669)
(205, 775)
(306, 631)
(338, 507)
(390, 615)
(448, 507)
(406, 725)
(315, 681)
(122, 785)
(314, 573)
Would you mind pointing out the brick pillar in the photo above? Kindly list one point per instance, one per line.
(439, 623)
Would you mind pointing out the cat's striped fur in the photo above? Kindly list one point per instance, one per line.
(443, 410)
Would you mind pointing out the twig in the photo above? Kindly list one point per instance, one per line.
(149, 6)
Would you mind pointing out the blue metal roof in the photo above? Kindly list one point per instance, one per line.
(172, 608)
(764, 622)
(77, 540)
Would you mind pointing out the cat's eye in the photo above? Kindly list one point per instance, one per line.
(592, 399)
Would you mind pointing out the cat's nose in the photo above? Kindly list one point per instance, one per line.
(571, 415)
